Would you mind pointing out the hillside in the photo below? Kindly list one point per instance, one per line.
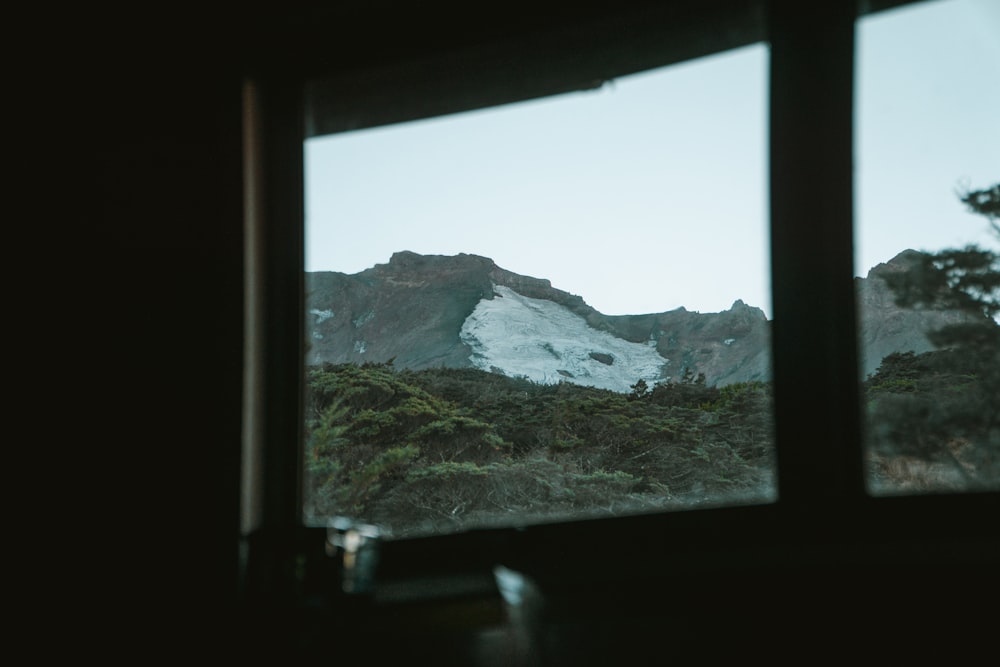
(440, 450)
(447, 393)
(448, 449)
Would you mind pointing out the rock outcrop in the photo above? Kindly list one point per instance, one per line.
(885, 327)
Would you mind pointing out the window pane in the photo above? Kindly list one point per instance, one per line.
(548, 310)
(928, 137)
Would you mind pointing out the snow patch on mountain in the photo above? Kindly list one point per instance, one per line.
(546, 342)
(321, 315)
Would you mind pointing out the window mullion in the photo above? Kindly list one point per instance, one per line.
(815, 348)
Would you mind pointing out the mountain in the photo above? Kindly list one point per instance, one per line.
(887, 328)
(426, 311)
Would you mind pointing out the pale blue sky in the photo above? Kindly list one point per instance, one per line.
(651, 193)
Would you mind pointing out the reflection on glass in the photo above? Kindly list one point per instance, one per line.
(929, 200)
(540, 312)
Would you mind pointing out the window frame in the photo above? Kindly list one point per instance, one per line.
(823, 515)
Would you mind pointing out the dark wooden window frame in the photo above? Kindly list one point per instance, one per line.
(823, 517)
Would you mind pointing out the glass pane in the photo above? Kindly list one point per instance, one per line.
(928, 181)
(548, 310)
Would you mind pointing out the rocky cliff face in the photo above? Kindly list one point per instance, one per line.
(884, 326)
(411, 308)
(458, 311)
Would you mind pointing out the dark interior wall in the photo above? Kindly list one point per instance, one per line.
(144, 243)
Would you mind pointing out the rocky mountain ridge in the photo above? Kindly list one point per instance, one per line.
(427, 311)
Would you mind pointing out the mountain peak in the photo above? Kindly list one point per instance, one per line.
(742, 309)
(407, 259)
(903, 261)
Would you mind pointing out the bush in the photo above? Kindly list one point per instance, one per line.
(443, 449)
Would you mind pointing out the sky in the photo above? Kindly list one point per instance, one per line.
(650, 193)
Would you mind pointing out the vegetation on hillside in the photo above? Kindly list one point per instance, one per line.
(444, 449)
(932, 423)
(934, 418)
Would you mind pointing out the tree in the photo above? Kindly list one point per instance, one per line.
(964, 279)
(986, 203)
(639, 389)
(944, 406)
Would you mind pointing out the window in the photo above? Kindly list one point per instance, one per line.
(824, 519)
(926, 139)
(550, 310)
